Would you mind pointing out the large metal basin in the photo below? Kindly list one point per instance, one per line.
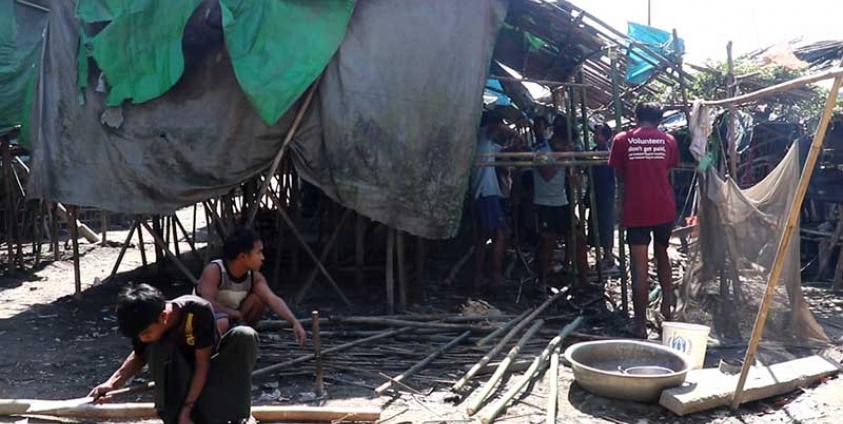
(626, 369)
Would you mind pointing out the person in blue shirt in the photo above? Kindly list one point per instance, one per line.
(604, 193)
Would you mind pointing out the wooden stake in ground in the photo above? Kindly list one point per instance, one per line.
(501, 344)
(423, 363)
(532, 373)
(503, 367)
(319, 386)
(74, 235)
(790, 226)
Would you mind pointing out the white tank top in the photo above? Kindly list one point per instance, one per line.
(231, 293)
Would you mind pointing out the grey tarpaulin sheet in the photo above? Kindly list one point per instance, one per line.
(399, 107)
(196, 141)
(391, 135)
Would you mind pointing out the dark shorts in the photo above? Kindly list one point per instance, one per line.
(489, 214)
(553, 219)
(640, 236)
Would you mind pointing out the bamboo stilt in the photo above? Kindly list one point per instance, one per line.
(319, 386)
(123, 250)
(160, 243)
(390, 262)
(74, 236)
(402, 270)
(329, 245)
(359, 248)
(142, 246)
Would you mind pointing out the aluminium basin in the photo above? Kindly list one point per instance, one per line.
(626, 369)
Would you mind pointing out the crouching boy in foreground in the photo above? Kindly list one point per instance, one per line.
(198, 375)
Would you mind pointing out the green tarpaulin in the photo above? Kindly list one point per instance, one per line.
(278, 48)
(21, 29)
(140, 50)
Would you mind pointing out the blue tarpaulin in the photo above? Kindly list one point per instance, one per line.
(638, 68)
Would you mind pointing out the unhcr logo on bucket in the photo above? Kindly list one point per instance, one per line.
(680, 343)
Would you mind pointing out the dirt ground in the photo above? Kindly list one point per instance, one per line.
(58, 347)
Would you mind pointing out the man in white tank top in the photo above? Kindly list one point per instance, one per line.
(236, 288)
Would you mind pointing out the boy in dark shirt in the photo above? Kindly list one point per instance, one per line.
(198, 376)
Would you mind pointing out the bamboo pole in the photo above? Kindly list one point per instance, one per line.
(500, 330)
(503, 367)
(287, 139)
(141, 247)
(74, 236)
(359, 248)
(406, 323)
(322, 257)
(307, 249)
(390, 274)
(501, 344)
(275, 367)
(553, 389)
(7, 203)
(189, 240)
(536, 367)
(402, 270)
(104, 229)
(508, 155)
(619, 185)
(790, 226)
(161, 244)
(421, 364)
(54, 232)
(319, 386)
(732, 136)
(778, 88)
(123, 250)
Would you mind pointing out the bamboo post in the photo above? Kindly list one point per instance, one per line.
(592, 198)
(402, 270)
(619, 184)
(502, 343)
(421, 364)
(307, 249)
(322, 257)
(193, 227)
(287, 139)
(104, 229)
(390, 262)
(123, 249)
(419, 291)
(502, 368)
(155, 232)
(733, 139)
(572, 206)
(319, 386)
(553, 389)
(163, 245)
(142, 246)
(189, 240)
(305, 358)
(38, 227)
(175, 235)
(536, 367)
(790, 226)
(54, 231)
(359, 248)
(8, 206)
(74, 236)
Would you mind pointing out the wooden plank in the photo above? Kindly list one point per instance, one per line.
(709, 388)
(143, 410)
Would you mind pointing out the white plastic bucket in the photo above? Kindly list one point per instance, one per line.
(690, 339)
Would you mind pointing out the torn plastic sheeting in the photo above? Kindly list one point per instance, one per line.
(398, 123)
(278, 48)
(638, 68)
(140, 50)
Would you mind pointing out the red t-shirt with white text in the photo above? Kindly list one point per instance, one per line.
(643, 157)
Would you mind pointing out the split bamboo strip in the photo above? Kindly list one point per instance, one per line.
(487, 388)
(423, 363)
(501, 344)
(534, 371)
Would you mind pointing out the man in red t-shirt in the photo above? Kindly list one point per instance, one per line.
(642, 158)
